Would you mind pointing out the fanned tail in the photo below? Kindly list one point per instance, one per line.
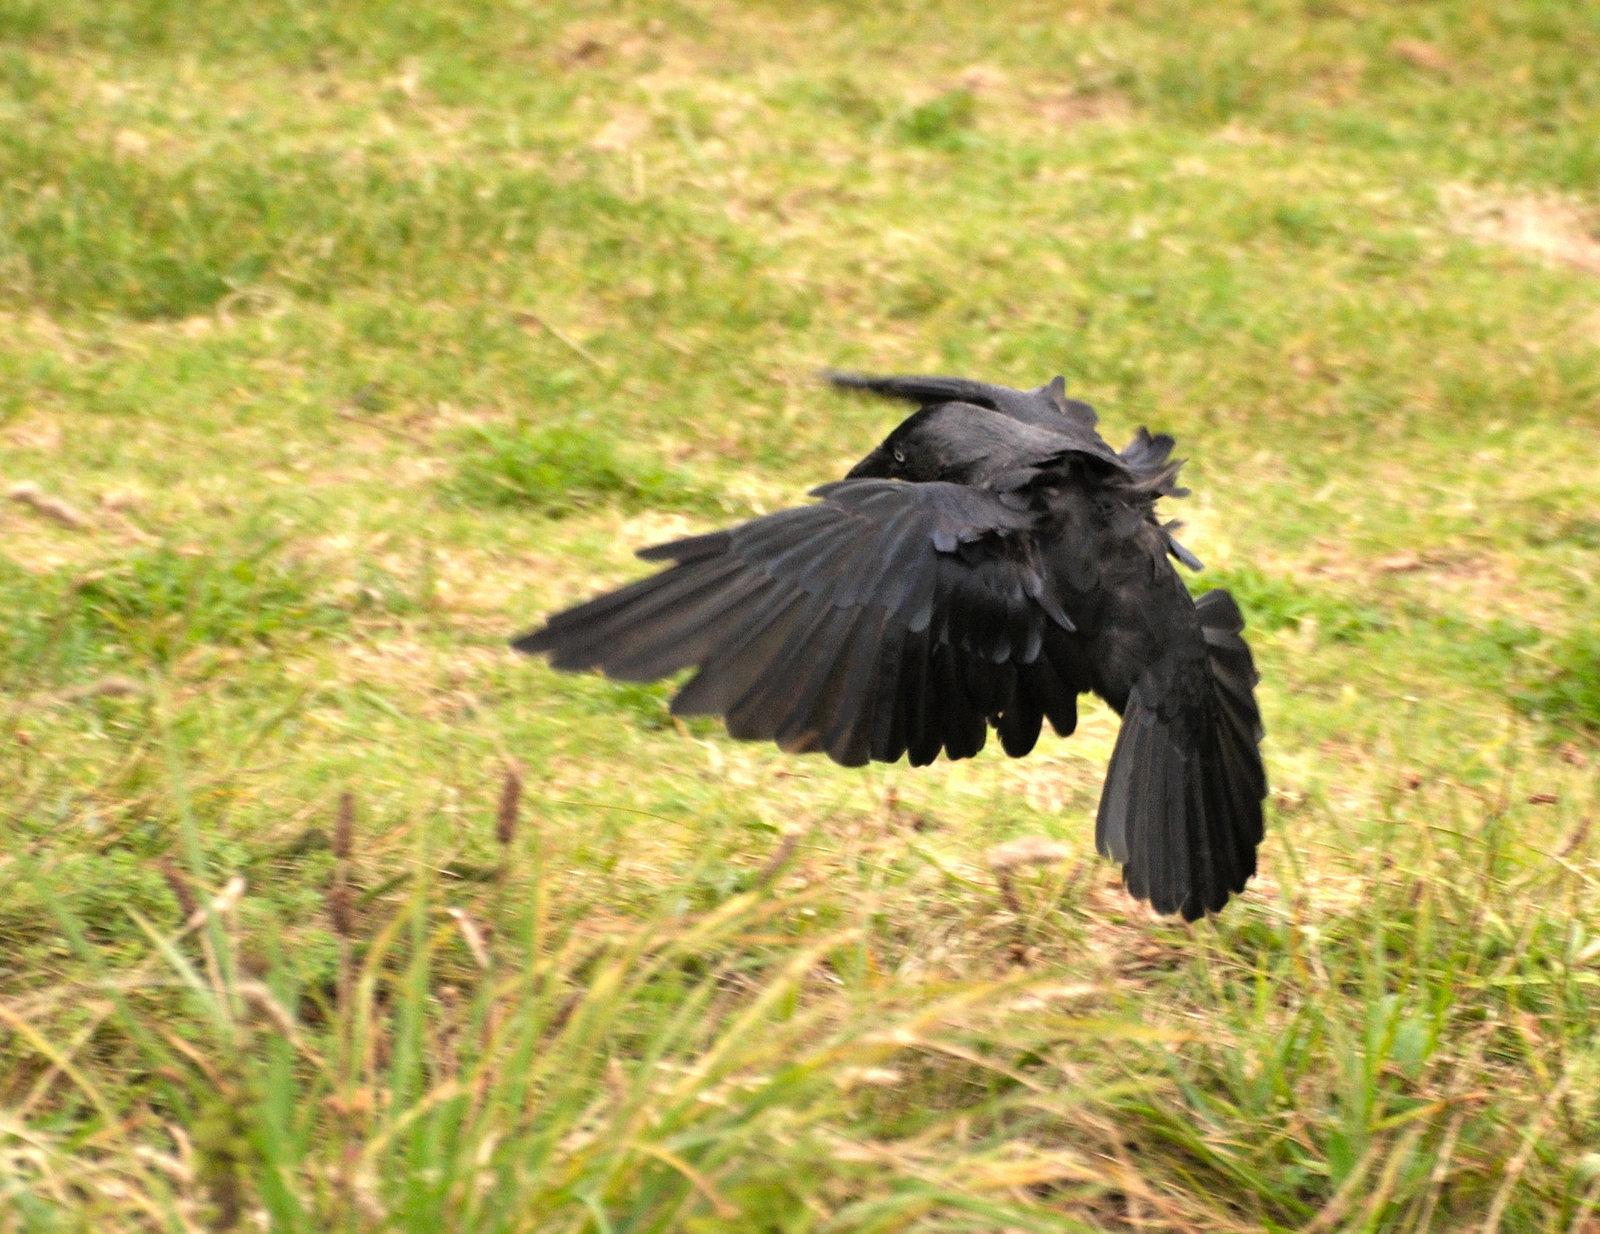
(1182, 805)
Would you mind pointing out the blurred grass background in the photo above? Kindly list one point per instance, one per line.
(343, 341)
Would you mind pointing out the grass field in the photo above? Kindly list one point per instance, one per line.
(340, 342)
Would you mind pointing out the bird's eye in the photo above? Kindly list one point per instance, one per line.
(899, 456)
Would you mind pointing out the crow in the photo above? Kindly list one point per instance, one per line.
(987, 563)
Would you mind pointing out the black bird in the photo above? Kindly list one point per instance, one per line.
(990, 561)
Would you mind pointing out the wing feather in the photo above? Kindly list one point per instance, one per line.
(886, 619)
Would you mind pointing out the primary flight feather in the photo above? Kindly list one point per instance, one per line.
(987, 563)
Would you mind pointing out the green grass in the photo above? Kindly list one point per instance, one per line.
(561, 470)
(359, 335)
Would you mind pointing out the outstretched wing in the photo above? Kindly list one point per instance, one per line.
(887, 619)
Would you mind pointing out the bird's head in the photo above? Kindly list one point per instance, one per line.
(942, 442)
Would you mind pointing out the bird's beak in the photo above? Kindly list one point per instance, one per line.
(874, 467)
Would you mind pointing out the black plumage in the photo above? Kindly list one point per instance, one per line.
(990, 561)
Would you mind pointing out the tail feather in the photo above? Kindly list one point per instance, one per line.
(1181, 808)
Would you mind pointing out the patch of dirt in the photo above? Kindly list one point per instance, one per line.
(606, 41)
(1551, 226)
(41, 546)
(1477, 576)
(471, 583)
(1055, 785)
(1325, 887)
(1071, 108)
(46, 505)
(1125, 936)
(1236, 134)
(655, 527)
(981, 77)
(623, 131)
(1421, 55)
(35, 432)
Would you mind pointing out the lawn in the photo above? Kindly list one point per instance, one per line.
(339, 343)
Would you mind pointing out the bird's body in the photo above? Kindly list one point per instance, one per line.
(990, 561)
